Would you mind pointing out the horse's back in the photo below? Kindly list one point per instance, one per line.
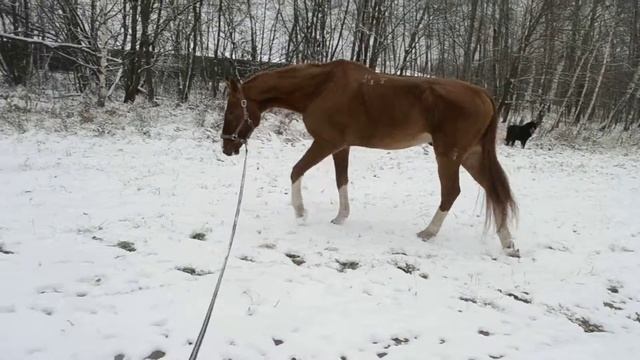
(389, 111)
(385, 88)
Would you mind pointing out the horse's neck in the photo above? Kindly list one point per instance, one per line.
(292, 88)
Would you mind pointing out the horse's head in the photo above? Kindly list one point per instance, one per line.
(240, 118)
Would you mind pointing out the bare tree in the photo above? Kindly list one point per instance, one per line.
(574, 62)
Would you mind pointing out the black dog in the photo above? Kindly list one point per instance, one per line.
(521, 133)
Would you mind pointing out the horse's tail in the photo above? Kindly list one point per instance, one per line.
(500, 204)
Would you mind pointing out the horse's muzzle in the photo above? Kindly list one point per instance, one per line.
(231, 147)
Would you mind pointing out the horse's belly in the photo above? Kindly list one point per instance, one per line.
(403, 142)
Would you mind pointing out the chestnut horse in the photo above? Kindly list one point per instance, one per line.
(346, 104)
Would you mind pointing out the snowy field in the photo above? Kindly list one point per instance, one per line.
(110, 248)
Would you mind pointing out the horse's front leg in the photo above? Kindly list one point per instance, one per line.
(312, 157)
(341, 162)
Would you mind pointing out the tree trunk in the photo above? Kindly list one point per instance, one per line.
(571, 89)
(468, 57)
(133, 75)
(413, 39)
(596, 91)
(145, 53)
(102, 78)
(195, 31)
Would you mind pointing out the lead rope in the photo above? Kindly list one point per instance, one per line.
(205, 324)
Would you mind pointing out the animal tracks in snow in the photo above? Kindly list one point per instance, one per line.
(326, 292)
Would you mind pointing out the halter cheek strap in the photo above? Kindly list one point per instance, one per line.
(247, 119)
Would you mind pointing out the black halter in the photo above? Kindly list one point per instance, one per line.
(247, 119)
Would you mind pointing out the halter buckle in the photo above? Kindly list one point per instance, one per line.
(247, 119)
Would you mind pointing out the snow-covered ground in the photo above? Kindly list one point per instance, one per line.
(72, 205)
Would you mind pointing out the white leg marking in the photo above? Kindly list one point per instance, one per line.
(343, 211)
(296, 198)
(507, 242)
(434, 225)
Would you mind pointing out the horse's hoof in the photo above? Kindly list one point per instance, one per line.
(301, 215)
(512, 252)
(426, 234)
(339, 220)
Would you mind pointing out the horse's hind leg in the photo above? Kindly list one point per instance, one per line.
(341, 162)
(312, 157)
(448, 172)
(473, 164)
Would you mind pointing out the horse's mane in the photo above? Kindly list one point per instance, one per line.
(292, 68)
